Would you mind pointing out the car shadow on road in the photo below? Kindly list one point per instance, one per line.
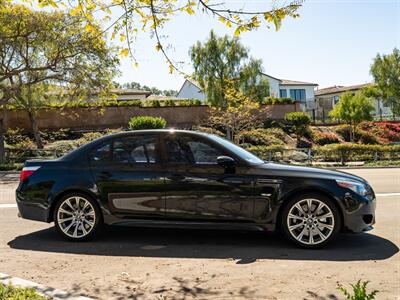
(245, 247)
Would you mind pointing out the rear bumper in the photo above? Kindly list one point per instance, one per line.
(32, 211)
(361, 219)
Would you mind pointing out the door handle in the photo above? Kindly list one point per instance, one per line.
(175, 177)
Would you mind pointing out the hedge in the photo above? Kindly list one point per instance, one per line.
(354, 152)
(274, 101)
(113, 103)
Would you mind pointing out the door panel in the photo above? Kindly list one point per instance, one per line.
(198, 188)
(131, 181)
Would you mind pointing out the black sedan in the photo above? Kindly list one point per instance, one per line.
(176, 178)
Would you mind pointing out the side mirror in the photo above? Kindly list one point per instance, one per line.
(226, 162)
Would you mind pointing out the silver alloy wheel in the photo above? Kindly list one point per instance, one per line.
(76, 217)
(310, 221)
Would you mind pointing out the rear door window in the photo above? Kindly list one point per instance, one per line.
(135, 150)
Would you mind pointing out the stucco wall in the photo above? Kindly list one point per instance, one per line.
(190, 91)
(115, 117)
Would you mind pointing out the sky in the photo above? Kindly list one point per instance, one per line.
(332, 43)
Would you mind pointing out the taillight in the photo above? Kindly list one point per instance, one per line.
(27, 171)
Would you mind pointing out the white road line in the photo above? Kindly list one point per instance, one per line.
(8, 205)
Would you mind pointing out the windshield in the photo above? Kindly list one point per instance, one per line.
(247, 156)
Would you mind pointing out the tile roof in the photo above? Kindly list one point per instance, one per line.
(339, 89)
(294, 82)
(290, 82)
(129, 92)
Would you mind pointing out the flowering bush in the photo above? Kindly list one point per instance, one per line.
(385, 131)
(324, 138)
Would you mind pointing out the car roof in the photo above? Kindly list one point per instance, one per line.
(171, 130)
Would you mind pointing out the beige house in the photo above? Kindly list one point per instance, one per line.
(327, 98)
(301, 92)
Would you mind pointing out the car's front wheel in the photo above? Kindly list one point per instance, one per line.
(77, 217)
(311, 220)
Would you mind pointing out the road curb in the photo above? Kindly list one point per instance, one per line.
(46, 291)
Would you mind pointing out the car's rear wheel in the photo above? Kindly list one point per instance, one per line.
(311, 220)
(77, 217)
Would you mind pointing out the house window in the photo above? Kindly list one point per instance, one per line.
(283, 93)
(335, 100)
(298, 94)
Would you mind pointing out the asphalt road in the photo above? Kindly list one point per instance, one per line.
(183, 264)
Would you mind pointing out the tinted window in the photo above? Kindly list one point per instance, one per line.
(138, 149)
(190, 150)
(247, 156)
(203, 153)
(102, 153)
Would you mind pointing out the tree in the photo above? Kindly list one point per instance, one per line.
(219, 60)
(386, 72)
(39, 49)
(353, 109)
(153, 90)
(128, 18)
(240, 113)
(300, 122)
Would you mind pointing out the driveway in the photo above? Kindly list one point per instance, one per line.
(185, 264)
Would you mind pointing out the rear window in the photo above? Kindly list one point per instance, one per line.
(129, 149)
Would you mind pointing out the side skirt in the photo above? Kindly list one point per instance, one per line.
(147, 223)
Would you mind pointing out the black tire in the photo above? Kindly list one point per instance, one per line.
(314, 226)
(97, 218)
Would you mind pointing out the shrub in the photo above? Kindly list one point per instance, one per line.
(209, 130)
(259, 137)
(344, 131)
(88, 137)
(303, 143)
(366, 137)
(146, 122)
(266, 152)
(11, 292)
(277, 132)
(359, 291)
(277, 101)
(324, 138)
(18, 141)
(384, 131)
(15, 136)
(300, 122)
(64, 146)
(58, 135)
(169, 103)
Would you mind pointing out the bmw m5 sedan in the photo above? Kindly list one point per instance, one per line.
(178, 178)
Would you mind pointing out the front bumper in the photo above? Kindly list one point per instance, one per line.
(362, 218)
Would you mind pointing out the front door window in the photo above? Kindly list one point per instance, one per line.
(188, 150)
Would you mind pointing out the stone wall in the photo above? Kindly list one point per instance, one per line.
(95, 118)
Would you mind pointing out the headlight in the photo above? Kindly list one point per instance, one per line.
(355, 186)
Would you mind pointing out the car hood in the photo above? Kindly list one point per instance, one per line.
(275, 169)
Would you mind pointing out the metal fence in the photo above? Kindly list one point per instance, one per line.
(295, 155)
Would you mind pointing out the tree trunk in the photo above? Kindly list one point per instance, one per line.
(352, 133)
(35, 130)
(2, 132)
